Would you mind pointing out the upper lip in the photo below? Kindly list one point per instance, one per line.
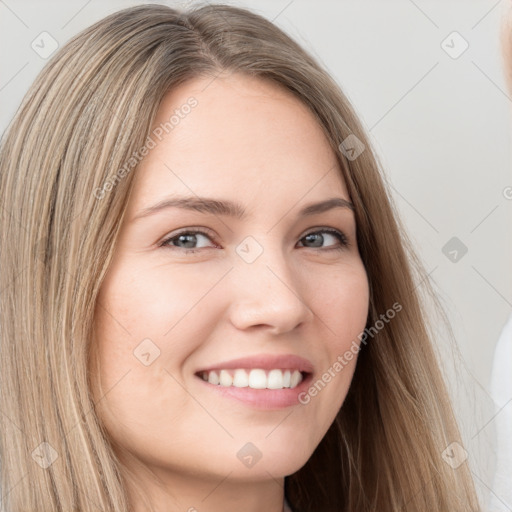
(265, 362)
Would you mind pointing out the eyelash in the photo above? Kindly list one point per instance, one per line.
(344, 243)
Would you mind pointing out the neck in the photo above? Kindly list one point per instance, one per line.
(163, 490)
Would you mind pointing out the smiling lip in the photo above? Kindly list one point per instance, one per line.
(265, 362)
(263, 399)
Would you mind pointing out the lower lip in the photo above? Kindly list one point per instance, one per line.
(267, 399)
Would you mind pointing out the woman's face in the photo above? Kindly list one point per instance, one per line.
(275, 286)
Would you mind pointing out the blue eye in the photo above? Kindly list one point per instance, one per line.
(190, 237)
(332, 232)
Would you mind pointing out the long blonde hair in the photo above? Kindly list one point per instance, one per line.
(88, 112)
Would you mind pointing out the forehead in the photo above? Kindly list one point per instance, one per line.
(243, 136)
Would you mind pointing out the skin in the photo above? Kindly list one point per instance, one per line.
(506, 45)
(250, 141)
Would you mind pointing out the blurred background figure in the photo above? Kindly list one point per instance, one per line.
(501, 391)
(501, 375)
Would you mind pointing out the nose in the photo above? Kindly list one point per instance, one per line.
(267, 293)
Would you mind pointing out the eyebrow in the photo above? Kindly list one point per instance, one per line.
(228, 208)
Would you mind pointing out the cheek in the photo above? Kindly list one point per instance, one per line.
(146, 326)
(156, 304)
(142, 336)
(342, 304)
(161, 297)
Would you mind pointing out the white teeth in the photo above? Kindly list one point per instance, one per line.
(295, 379)
(213, 378)
(275, 379)
(255, 378)
(225, 378)
(241, 379)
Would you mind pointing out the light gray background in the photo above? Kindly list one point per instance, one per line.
(440, 124)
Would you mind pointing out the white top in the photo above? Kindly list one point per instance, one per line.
(286, 506)
(501, 391)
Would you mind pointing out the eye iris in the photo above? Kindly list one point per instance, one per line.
(190, 238)
(319, 238)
